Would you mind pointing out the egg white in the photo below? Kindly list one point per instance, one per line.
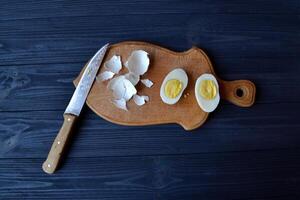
(207, 105)
(178, 74)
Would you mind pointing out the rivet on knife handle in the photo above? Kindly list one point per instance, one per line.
(58, 146)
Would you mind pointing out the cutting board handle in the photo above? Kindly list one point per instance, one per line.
(238, 92)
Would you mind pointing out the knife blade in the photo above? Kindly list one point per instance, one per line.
(73, 110)
(78, 99)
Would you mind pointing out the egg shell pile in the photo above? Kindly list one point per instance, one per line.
(123, 86)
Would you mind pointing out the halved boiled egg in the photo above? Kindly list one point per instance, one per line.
(207, 92)
(173, 86)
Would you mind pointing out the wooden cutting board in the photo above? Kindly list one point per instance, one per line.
(186, 112)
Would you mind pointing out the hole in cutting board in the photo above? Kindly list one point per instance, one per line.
(239, 92)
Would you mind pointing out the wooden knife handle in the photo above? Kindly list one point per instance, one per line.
(58, 146)
(239, 92)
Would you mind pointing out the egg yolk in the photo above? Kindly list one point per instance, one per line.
(173, 88)
(208, 89)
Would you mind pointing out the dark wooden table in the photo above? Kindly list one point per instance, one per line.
(238, 154)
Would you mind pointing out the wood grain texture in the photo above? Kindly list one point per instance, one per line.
(234, 175)
(30, 134)
(186, 112)
(241, 154)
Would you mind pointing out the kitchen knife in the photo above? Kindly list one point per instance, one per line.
(73, 110)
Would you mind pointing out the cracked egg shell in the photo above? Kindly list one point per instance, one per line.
(113, 64)
(140, 100)
(120, 103)
(138, 62)
(129, 89)
(121, 88)
(106, 75)
(133, 78)
(113, 82)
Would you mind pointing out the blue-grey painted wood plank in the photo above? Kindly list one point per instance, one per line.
(75, 39)
(30, 134)
(234, 175)
(15, 10)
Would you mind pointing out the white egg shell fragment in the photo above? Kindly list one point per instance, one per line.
(119, 90)
(117, 87)
(178, 74)
(133, 78)
(113, 82)
(106, 75)
(122, 88)
(145, 97)
(140, 100)
(138, 62)
(207, 105)
(147, 83)
(120, 103)
(129, 89)
(113, 64)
